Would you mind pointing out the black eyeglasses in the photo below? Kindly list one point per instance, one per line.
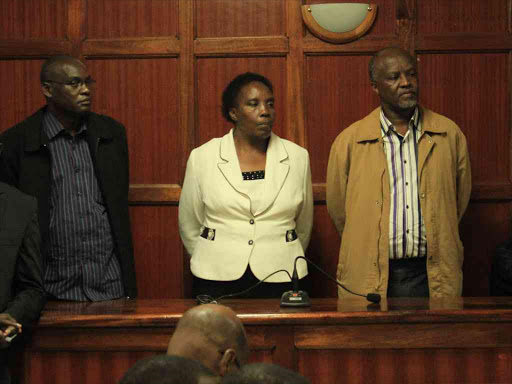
(76, 83)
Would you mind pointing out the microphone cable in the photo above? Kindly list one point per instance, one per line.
(207, 299)
(373, 297)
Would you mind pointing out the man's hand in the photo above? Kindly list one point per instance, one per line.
(8, 327)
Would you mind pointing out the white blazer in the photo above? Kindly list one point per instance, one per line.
(213, 204)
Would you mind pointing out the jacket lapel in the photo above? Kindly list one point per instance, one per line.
(228, 163)
(276, 170)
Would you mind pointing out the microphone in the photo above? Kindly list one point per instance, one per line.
(295, 298)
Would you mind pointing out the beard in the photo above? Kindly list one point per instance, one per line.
(408, 103)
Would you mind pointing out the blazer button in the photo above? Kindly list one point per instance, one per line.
(251, 242)
(251, 221)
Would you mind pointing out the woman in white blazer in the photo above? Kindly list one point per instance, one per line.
(246, 207)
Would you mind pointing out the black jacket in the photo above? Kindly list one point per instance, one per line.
(25, 163)
(21, 273)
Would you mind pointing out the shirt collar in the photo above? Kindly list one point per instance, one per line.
(414, 122)
(53, 127)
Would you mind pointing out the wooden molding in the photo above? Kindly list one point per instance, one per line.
(470, 42)
(34, 48)
(241, 45)
(154, 194)
(131, 47)
(166, 194)
(334, 37)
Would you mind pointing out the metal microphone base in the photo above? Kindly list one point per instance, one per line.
(295, 299)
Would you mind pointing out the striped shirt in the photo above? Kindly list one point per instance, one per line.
(81, 264)
(407, 236)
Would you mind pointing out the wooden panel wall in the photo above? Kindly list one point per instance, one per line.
(161, 66)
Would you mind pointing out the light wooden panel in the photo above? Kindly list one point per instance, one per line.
(158, 251)
(235, 18)
(110, 19)
(34, 19)
(471, 89)
(143, 95)
(214, 74)
(457, 16)
(21, 78)
(337, 93)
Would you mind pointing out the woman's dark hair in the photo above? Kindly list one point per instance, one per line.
(231, 92)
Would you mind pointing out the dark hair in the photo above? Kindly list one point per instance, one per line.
(382, 52)
(264, 373)
(166, 369)
(232, 91)
(48, 65)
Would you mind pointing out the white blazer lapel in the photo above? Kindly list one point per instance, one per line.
(228, 163)
(276, 170)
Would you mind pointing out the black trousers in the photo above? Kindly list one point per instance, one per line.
(264, 290)
(408, 277)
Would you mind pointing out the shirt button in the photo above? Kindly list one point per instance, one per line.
(251, 242)
(77, 170)
(406, 183)
(407, 231)
(405, 161)
(407, 206)
(251, 221)
(79, 193)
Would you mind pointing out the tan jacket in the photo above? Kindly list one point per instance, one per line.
(358, 201)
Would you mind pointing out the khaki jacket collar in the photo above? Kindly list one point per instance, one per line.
(369, 129)
(276, 169)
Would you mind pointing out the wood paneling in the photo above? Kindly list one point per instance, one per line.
(158, 251)
(84, 368)
(485, 225)
(228, 18)
(214, 74)
(471, 90)
(337, 93)
(112, 19)
(323, 251)
(34, 19)
(450, 340)
(21, 78)
(161, 66)
(143, 95)
(406, 366)
(458, 16)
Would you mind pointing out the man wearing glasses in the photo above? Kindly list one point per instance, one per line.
(75, 162)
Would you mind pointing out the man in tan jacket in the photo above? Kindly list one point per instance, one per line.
(398, 183)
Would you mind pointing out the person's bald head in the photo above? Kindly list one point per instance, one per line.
(213, 335)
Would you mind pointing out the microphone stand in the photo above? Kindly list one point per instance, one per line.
(296, 298)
